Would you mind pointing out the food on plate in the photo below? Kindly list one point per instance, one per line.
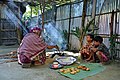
(65, 72)
(71, 70)
(87, 69)
(74, 70)
(68, 70)
(62, 70)
(77, 70)
(55, 65)
(83, 68)
(55, 62)
(80, 67)
(66, 60)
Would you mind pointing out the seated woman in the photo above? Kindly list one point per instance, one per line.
(85, 51)
(100, 49)
(32, 48)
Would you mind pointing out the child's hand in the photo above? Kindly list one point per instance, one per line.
(84, 51)
(94, 49)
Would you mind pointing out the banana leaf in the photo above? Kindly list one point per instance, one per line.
(94, 69)
(81, 32)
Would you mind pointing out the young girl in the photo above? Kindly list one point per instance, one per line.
(86, 51)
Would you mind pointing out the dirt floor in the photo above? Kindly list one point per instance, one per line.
(13, 71)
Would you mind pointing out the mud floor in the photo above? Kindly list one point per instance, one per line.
(13, 71)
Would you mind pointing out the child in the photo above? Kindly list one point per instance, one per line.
(85, 51)
(101, 51)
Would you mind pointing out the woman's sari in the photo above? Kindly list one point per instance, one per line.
(31, 47)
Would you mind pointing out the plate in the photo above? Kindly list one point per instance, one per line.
(66, 60)
(59, 66)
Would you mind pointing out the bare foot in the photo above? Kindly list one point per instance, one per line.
(87, 59)
(92, 61)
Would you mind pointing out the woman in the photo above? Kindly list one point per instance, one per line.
(32, 48)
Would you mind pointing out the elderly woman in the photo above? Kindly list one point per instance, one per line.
(32, 48)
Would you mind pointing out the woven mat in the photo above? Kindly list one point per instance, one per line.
(94, 69)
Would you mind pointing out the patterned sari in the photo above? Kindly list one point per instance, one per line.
(31, 48)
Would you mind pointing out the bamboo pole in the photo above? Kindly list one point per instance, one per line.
(42, 7)
(69, 27)
(83, 22)
(94, 13)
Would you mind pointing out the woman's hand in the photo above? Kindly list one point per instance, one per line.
(51, 47)
(57, 47)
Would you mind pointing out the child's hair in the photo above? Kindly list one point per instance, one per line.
(91, 36)
(98, 39)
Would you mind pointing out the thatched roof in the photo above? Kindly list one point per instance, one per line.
(57, 2)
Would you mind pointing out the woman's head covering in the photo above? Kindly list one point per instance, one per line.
(35, 29)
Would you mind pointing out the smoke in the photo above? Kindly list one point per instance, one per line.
(51, 34)
(54, 36)
(32, 22)
(12, 15)
(78, 9)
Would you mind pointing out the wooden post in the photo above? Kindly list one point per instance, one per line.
(19, 35)
(69, 27)
(84, 12)
(111, 24)
(93, 13)
(83, 21)
(54, 11)
(0, 24)
(111, 35)
(42, 7)
(31, 11)
(18, 31)
(94, 9)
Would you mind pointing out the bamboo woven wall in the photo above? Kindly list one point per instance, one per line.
(63, 17)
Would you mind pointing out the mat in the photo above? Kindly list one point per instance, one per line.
(94, 69)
